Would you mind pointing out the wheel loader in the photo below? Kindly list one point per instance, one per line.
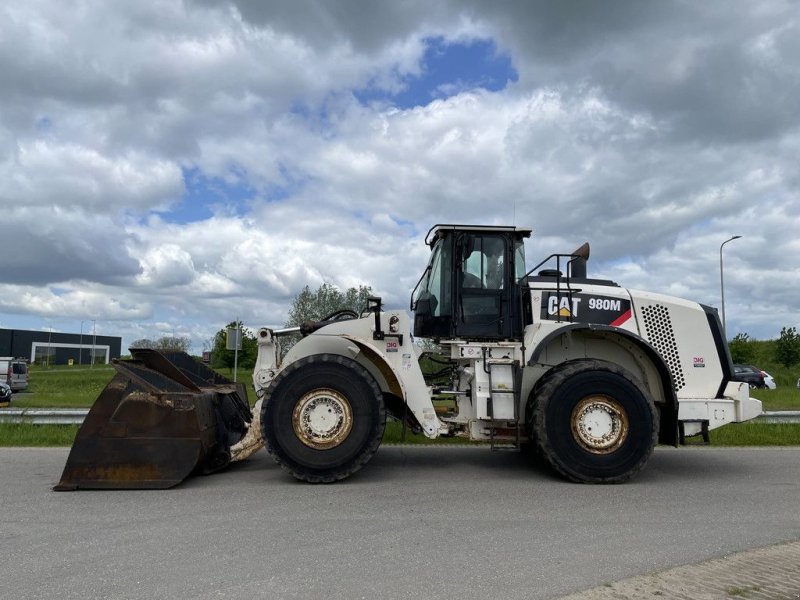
(582, 372)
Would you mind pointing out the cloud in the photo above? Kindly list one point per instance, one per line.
(52, 244)
(187, 162)
(81, 178)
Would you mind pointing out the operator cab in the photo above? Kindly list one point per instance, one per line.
(471, 286)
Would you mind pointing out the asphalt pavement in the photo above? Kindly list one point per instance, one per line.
(425, 522)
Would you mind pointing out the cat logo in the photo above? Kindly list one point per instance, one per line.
(563, 307)
(586, 308)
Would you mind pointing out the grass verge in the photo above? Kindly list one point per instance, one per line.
(756, 434)
(738, 434)
(27, 435)
(783, 398)
(65, 387)
(78, 387)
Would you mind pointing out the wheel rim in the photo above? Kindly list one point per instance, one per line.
(599, 424)
(322, 419)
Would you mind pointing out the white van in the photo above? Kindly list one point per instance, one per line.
(14, 372)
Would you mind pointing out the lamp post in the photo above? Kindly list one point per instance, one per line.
(722, 283)
(80, 347)
(94, 340)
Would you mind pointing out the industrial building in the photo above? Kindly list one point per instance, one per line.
(56, 348)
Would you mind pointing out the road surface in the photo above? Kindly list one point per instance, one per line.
(424, 522)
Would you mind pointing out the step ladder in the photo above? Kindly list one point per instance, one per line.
(505, 377)
(706, 440)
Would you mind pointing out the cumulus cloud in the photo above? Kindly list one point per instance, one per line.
(184, 163)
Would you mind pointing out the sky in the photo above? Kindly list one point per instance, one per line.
(167, 167)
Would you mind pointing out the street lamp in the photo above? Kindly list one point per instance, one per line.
(722, 283)
(80, 347)
(94, 340)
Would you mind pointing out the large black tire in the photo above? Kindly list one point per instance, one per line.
(593, 422)
(323, 418)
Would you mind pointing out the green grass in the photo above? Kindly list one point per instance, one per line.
(63, 387)
(738, 434)
(27, 435)
(783, 398)
(756, 434)
(244, 376)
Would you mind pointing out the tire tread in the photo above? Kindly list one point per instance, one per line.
(328, 475)
(537, 425)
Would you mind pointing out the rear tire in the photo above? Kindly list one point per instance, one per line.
(593, 422)
(323, 418)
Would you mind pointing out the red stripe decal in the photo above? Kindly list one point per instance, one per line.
(621, 319)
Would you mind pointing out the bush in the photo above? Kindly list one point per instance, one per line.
(787, 347)
(743, 350)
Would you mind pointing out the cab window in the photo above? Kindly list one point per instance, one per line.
(483, 265)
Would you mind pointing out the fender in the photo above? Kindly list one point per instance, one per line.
(393, 381)
(409, 388)
(642, 344)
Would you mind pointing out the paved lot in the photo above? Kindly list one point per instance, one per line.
(426, 522)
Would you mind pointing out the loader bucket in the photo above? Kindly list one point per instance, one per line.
(161, 418)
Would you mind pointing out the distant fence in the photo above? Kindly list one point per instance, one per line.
(75, 416)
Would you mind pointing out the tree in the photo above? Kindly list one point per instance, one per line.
(221, 357)
(787, 347)
(742, 349)
(167, 342)
(313, 306)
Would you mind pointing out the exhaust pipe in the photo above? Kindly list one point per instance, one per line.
(577, 265)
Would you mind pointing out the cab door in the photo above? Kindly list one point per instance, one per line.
(483, 272)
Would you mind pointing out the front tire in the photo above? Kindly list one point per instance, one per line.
(593, 422)
(323, 418)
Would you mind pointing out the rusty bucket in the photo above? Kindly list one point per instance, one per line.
(161, 418)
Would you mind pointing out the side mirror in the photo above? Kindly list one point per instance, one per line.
(467, 246)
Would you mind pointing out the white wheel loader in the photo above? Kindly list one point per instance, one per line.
(587, 374)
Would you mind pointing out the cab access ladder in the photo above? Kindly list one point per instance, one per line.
(505, 378)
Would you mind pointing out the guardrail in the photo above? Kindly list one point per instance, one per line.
(75, 416)
(44, 416)
(783, 416)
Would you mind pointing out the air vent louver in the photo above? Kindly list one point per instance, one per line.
(658, 329)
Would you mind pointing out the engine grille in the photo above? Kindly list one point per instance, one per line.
(658, 328)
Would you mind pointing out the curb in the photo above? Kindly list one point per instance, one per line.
(769, 573)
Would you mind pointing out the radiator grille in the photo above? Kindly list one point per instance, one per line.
(658, 328)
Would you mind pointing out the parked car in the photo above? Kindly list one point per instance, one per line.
(769, 381)
(14, 372)
(750, 375)
(5, 394)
